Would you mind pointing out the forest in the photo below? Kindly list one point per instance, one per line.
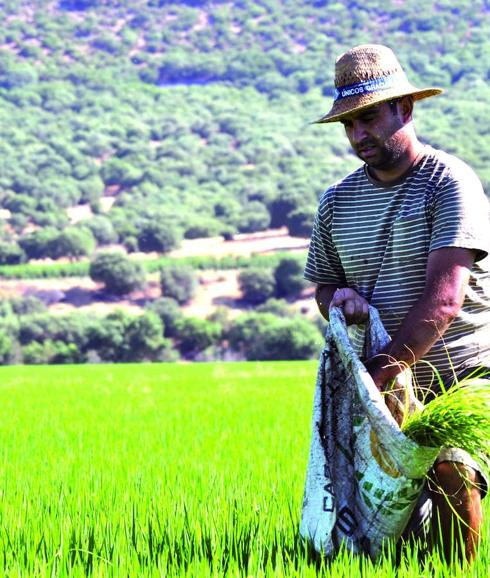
(206, 106)
(170, 120)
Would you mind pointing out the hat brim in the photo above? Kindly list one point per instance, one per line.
(352, 104)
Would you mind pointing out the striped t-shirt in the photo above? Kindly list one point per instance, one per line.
(376, 239)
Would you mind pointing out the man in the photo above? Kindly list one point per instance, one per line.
(408, 233)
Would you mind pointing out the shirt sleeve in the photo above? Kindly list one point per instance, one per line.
(460, 213)
(323, 264)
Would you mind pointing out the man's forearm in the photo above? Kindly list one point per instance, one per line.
(424, 324)
(448, 272)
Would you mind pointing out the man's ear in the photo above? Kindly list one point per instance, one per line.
(406, 108)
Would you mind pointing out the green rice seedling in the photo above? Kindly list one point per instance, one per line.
(167, 470)
(458, 417)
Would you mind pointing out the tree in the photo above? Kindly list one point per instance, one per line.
(72, 242)
(28, 305)
(178, 282)
(195, 335)
(300, 221)
(263, 336)
(120, 172)
(257, 285)
(119, 274)
(289, 277)
(169, 312)
(101, 228)
(279, 307)
(159, 235)
(11, 254)
(145, 338)
(254, 217)
(36, 245)
(6, 347)
(107, 337)
(281, 207)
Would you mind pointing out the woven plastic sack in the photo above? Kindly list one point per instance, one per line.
(364, 475)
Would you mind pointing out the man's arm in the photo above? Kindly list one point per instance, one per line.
(447, 275)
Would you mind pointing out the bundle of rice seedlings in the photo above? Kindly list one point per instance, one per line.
(458, 417)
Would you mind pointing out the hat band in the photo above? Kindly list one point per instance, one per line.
(368, 86)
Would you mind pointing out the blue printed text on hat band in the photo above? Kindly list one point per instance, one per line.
(368, 86)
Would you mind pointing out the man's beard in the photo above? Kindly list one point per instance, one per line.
(384, 157)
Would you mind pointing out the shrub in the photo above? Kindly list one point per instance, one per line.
(117, 272)
(254, 217)
(263, 336)
(72, 242)
(300, 221)
(178, 282)
(195, 335)
(102, 229)
(11, 254)
(161, 236)
(169, 312)
(257, 285)
(277, 307)
(289, 277)
(144, 338)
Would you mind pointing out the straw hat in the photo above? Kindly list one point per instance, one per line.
(366, 75)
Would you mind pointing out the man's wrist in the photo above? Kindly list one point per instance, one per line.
(383, 369)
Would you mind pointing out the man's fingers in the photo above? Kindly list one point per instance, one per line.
(354, 307)
(350, 307)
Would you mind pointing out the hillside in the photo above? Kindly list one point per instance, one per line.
(134, 108)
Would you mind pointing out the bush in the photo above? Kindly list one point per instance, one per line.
(195, 335)
(178, 282)
(300, 222)
(289, 277)
(160, 236)
(257, 285)
(169, 312)
(277, 307)
(102, 229)
(73, 242)
(144, 338)
(37, 245)
(28, 305)
(254, 217)
(263, 336)
(119, 274)
(11, 254)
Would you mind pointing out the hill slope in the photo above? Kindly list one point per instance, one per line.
(192, 118)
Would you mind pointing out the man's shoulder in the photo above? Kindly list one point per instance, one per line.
(447, 165)
(355, 179)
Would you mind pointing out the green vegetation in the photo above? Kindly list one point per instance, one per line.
(81, 269)
(458, 417)
(166, 470)
(178, 282)
(117, 272)
(194, 116)
(30, 334)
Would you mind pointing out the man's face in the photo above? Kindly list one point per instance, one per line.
(375, 136)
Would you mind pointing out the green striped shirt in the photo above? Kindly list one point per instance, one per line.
(376, 239)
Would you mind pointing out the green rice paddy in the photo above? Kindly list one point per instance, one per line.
(165, 470)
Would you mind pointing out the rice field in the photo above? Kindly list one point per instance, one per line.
(165, 470)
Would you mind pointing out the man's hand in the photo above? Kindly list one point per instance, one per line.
(354, 307)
